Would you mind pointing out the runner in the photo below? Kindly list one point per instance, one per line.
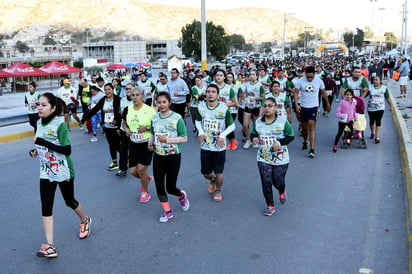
(137, 119)
(272, 134)
(97, 118)
(376, 106)
(282, 102)
(109, 106)
(264, 79)
(227, 96)
(197, 95)
(124, 140)
(31, 99)
(168, 133)
(309, 87)
(404, 72)
(53, 149)
(69, 95)
(178, 90)
(148, 87)
(252, 94)
(213, 122)
(357, 83)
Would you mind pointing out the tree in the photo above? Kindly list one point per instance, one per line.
(301, 38)
(390, 39)
(368, 33)
(217, 40)
(267, 47)
(236, 42)
(49, 41)
(21, 46)
(351, 38)
(78, 64)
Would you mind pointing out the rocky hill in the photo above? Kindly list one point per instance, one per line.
(150, 21)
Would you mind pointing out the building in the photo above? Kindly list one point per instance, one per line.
(130, 51)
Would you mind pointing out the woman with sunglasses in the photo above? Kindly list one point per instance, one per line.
(272, 134)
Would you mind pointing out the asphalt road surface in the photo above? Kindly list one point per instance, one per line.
(345, 211)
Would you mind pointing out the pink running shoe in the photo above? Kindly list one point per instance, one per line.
(145, 197)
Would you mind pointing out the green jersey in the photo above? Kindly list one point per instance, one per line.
(171, 126)
(54, 166)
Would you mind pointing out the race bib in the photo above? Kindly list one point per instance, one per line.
(108, 117)
(373, 74)
(337, 83)
(157, 135)
(267, 140)
(329, 92)
(344, 118)
(210, 125)
(357, 92)
(136, 137)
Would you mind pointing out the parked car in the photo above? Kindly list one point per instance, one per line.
(156, 65)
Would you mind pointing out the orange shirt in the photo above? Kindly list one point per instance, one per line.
(365, 73)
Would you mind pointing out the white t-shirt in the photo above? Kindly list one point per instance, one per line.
(309, 91)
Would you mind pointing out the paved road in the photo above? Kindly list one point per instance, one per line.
(345, 212)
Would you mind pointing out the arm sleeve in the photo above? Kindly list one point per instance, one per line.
(288, 133)
(64, 139)
(199, 128)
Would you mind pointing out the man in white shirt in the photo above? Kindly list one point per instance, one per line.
(309, 87)
(69, 95)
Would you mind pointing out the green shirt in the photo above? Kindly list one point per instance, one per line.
(171, 126)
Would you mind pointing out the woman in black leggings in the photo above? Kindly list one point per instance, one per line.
(53, 149)
(169, 131)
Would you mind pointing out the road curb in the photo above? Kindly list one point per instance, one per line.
(7, 138)
(405, 151)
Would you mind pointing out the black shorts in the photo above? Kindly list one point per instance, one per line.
(72, 108)
(253, 111)
(139, 154)
(307, 114)
(212, 161)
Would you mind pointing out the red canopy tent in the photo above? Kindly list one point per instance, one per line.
(116, 66)
(55, 67)
(22, 69)
(4, 74)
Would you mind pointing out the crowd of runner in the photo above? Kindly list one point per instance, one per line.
(145, 122)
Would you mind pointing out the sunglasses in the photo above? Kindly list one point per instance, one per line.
(128, 88)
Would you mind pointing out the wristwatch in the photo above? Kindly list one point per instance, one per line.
(147, 127)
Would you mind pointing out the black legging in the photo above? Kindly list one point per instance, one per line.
(33, 118)
(179, 108)
(330, 100)
(114, 141)
(123, 151)
(341, 128)
(231, 135)
(375, 117)
(47, 191)
(166, 167)
(272, 175)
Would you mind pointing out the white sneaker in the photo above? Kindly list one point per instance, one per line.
(256, 145)
(93, 139)
(247, 144)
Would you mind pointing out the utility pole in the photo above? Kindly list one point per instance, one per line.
(284, 33)
(404, 36)
(203, 36)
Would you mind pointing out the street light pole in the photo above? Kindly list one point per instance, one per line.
(284, 33)
(380, 27)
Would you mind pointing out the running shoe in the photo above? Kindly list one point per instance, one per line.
(217, 196)
(247, 144)
(234, 144)
(93, 139)
(282, 198)
(229, 146)
(113, 166)
(166, 216)
(145, 197)
(85, 228)
(184, 202)
(256, 145)
(150, 180)
(269, 211)
(81, 126)
(47, 250)
(312, 153)
(335, 148)
(121, 173)
(377, 140)
(305, 146)
(212, 186)
(372, 136)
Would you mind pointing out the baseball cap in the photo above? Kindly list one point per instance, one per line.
(404, 57)
(66, 81)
